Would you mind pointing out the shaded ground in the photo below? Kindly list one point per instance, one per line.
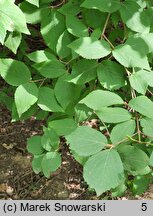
(17, 180)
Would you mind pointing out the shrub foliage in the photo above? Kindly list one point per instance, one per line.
(86, 68)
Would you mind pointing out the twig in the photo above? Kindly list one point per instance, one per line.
(105, 26)
(124, 139)
(125, 33)
(58, 5)
(127, 71)
(138, 127)
(39, 80)
(141, 142)
(106, 128)
(150, 92)
(42, 82)
(110, 146)
(66, 63)
(147, 135)
(108, 42)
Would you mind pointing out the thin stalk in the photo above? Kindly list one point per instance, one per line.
(138, 127)
(105, 26)
(126, 139)
(150, 92)
(42, 82)
(106, 128)
(58, 5)
(39, 80)
(108, 42)
(120, 142)
(133, 94)
(141, 142)
(109, 146)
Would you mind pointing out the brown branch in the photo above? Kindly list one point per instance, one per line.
(58, 5)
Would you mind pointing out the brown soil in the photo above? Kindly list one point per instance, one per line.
(17, 180)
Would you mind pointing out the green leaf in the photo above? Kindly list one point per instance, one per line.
(14, 72)
(66, 93)
(147, 38)
(122, 130)
(50, 140)
(36, 163)
(32, 13)
(41, 115)
(12, 21)
(113, 115)
(134, 159)
(149, 12)
(82, 112)
(134, 18)
(34, 145)
(63, 127)
(26, 115)
(104, 6)
(83, 71)
(100, 98)
(52, 26)
(138, 82)
(50, 163)
(141, 79)
(151, 159)
(7, 22)
(2, 33)
(119, 191)
(90, 47)
(143, 105)
(25, 96)
(13, 41)
(144, 171)
(135, 51)
(41, 56)
(147, 126)
(6, 100)
(86, 141)
(142, 4)
(81, 159)
(47, 100)
(111, 75)
(34, 2)
(70, 8)
(94, 18)
(96, 33)
(56, 116)
(75, 26)
(62, 48)
(104, 171)
(148, 76)
(44, 2)
(50, 68)
(140, 184)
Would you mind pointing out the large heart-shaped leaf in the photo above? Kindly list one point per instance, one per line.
(104, 171)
